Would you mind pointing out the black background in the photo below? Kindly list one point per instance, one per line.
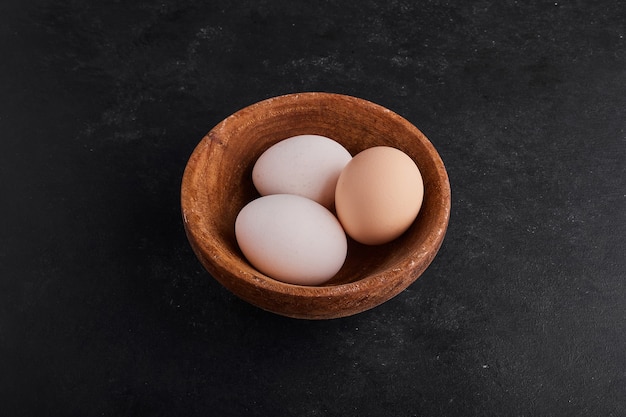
(105, 311)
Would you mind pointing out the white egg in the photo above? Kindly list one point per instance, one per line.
(291, 239)
(306, 165)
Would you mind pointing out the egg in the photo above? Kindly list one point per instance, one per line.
(378, 195)
(291, 238)
(305, 165)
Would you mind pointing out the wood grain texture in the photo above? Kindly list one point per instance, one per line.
(217, 183)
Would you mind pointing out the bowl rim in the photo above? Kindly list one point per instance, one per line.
(207, 250)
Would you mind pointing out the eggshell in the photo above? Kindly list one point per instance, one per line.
(306, 165)
(291, 238)
(379, 194)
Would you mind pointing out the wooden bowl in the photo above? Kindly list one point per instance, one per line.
(217, 183)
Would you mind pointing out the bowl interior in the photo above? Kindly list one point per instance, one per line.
(218, 183)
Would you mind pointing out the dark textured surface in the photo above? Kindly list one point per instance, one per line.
(104, 310)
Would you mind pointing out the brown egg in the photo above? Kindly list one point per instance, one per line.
(379, 194)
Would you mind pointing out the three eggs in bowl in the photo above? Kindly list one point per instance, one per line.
(292, 234)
